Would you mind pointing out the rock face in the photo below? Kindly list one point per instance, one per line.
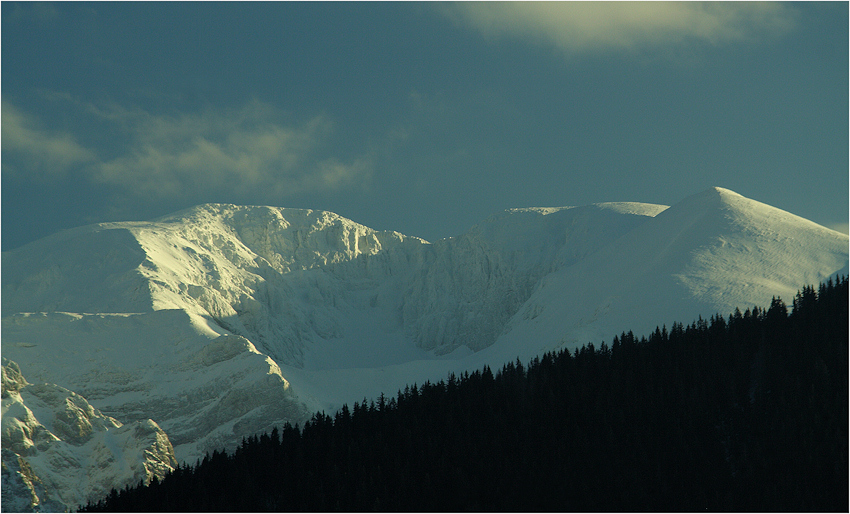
(59, 452)
(222, 321)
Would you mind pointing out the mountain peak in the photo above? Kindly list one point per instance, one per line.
(713, 194)
(722, 205)
(722, 191)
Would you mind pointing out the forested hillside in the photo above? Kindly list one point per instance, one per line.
(747, 412)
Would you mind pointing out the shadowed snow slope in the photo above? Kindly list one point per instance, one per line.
(223, 320)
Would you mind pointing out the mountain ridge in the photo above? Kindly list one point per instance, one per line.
(223, 320)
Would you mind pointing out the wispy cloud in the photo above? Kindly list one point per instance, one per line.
(47, 153)
(239, 151)
(576, 27)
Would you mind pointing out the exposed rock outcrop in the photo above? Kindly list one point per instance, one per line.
(59, 452)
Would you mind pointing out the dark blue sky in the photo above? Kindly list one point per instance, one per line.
(417, 117)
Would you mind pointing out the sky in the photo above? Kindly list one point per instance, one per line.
(424, 118)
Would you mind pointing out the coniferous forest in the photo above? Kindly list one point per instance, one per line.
(740, 413)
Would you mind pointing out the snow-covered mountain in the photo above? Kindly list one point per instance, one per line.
(222, 320)
(709, 254)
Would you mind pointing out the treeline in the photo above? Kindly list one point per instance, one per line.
(744, 413)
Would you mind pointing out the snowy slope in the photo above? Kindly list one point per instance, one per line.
(222, 320)
(59, 452)
(234, 265)
(709, 254)
(473, 284)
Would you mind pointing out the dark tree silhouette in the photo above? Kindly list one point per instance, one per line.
(745, 413)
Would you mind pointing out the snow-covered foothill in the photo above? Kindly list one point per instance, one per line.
(172, 366)
(59, 452)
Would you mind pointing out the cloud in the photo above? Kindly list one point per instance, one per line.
(576, 27)
(243, 151)
(43, 13)
(47, 154)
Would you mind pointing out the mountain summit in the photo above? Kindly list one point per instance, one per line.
(708, 254)
(222, 320)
